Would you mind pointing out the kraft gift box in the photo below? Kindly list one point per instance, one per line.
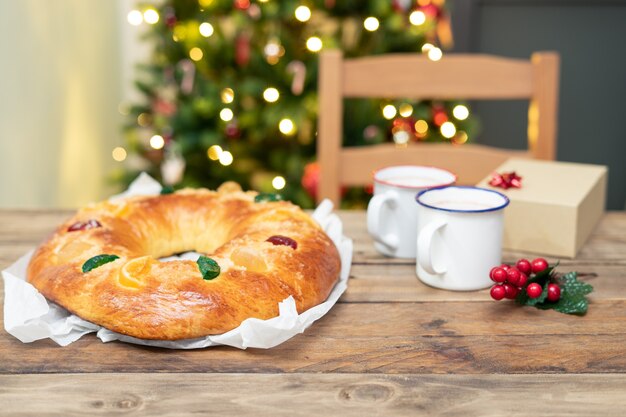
(556, 208)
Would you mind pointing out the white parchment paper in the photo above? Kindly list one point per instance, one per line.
(29, 316)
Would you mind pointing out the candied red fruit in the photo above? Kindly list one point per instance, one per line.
(283, 240)
(89, 224)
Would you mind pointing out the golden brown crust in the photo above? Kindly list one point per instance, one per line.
(140, 296)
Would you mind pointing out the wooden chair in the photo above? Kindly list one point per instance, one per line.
(413, 76)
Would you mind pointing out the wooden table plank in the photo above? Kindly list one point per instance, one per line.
(305, 395)
(381, 338)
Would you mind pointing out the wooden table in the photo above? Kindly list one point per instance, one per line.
(391, 346)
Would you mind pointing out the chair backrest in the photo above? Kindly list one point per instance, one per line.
(413, 76)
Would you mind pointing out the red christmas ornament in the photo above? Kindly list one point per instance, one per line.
(506, 180)
(170, 17)
(432, 11)
(163, 107)
(242, 50)
(311, 178)
(242, 4)
(232, 130)
(403, 123)
(439, 115)
(401, 6)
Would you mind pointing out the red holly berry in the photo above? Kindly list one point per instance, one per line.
(539, 265)
(497, 274)
(510, 291)
(523, 279)
(512, 276)
(505, 267)
(497, 292)
(554, 292)
(534, 290)
(524, 266)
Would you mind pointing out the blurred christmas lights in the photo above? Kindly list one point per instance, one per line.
(226, 158)
(371, 24)
(421, 127)
(134, 17)
(151, 16)
(405, 110)
(227, 95)
(206, 29)
(417, 18)
(286, 127)
(196, 53)
(157, 142)
(214, 152)
(314, 44)
(279, 182)
(271, 94)
(434, 54)
(119, 154)
(460, 112)
(448, 130)
(226, 115)
(302, 13)
(389, 112)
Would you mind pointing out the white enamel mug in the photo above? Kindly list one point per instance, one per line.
(459, 236)
(392, 212)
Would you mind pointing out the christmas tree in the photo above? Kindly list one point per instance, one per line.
(231, 89)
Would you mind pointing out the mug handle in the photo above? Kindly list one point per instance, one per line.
(377, 202)
(424, 247)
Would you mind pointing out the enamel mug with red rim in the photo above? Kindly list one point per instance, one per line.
(392, 212)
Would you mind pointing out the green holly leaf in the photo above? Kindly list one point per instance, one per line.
(267, 197)
(543, 276)
(97, 261)
(568, 305)
(571, 287)
(573, 300)
(208, 268)
(168, 189)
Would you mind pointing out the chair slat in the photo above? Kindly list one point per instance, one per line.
(454, 76)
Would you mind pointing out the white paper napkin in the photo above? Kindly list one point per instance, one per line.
(29, 316)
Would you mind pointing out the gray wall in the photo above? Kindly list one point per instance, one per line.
(590, 36)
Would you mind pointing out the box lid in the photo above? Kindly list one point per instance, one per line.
(550, 182)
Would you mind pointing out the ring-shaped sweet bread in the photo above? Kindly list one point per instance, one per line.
(266, 251)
